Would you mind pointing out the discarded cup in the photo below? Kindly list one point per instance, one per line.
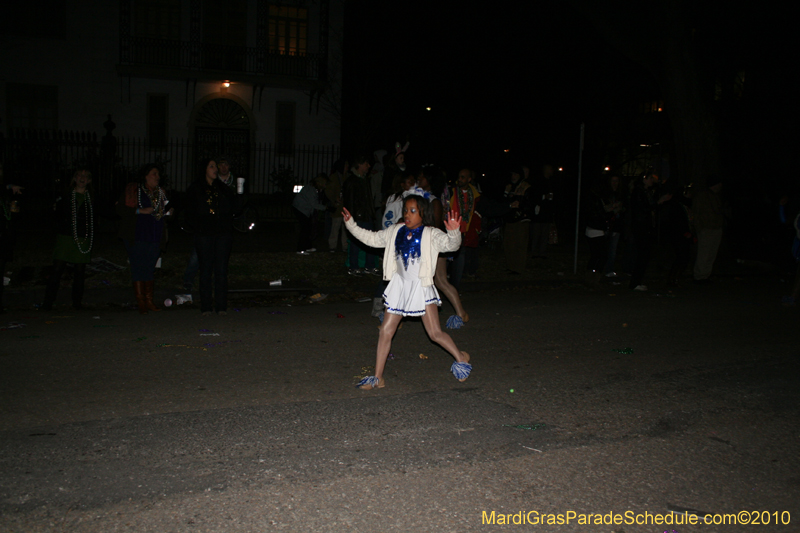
(167, 303)
(183, 299)
(276, 283)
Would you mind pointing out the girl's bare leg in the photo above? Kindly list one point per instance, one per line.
(388, 329)
(431, 322)
(450, 292)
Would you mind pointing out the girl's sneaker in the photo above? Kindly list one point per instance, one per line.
(370, 382)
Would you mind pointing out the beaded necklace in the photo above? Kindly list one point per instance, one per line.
(212, 199)
(156, 200)
(89, 228)
(465, 205)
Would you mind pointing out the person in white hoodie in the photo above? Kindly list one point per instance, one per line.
(411, 249)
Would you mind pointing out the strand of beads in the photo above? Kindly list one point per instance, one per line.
(156, 200)
(89, 228)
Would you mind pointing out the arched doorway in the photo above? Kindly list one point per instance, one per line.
(222, 127)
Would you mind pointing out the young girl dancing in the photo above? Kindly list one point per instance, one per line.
(409, 263)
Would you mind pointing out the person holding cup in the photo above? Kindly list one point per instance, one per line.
(224, 175)
(211, 206)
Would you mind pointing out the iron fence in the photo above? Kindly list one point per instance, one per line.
(43, 162)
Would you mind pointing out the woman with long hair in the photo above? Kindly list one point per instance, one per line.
(142, 209)
(74, 237)
(210, 209)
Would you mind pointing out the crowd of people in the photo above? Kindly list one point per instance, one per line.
(429, 230)
(209, 206)
(653, 209)
(620, 221)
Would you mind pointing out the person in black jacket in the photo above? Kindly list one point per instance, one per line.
(673, 223)
(7, 236)
(74, 223)
(643, 205)
(544, 198)
(210, 209)
(357, 199)
(517, 195)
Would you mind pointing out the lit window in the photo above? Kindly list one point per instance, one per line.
(288, 30)
(656, 106)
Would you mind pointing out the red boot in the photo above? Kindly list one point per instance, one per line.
(141, 300)
(148, 292)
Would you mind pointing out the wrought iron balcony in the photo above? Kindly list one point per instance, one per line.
(191, 56)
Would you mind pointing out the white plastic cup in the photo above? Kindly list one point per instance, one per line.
(239, 185)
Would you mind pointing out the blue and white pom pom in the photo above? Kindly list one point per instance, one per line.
(454, 322)
(369, 380)
(461, 370)
(380, 318)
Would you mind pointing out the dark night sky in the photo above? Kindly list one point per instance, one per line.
(525, 75)
(523, 79)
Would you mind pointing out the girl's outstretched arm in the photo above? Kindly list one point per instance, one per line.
(453, 221)
(450, 241)
(374, 239)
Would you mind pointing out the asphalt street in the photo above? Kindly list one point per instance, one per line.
(584, 402)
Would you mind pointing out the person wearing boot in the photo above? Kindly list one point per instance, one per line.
(74, 222)
(142, 209)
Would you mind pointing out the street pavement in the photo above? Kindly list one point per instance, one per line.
(581, 401)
